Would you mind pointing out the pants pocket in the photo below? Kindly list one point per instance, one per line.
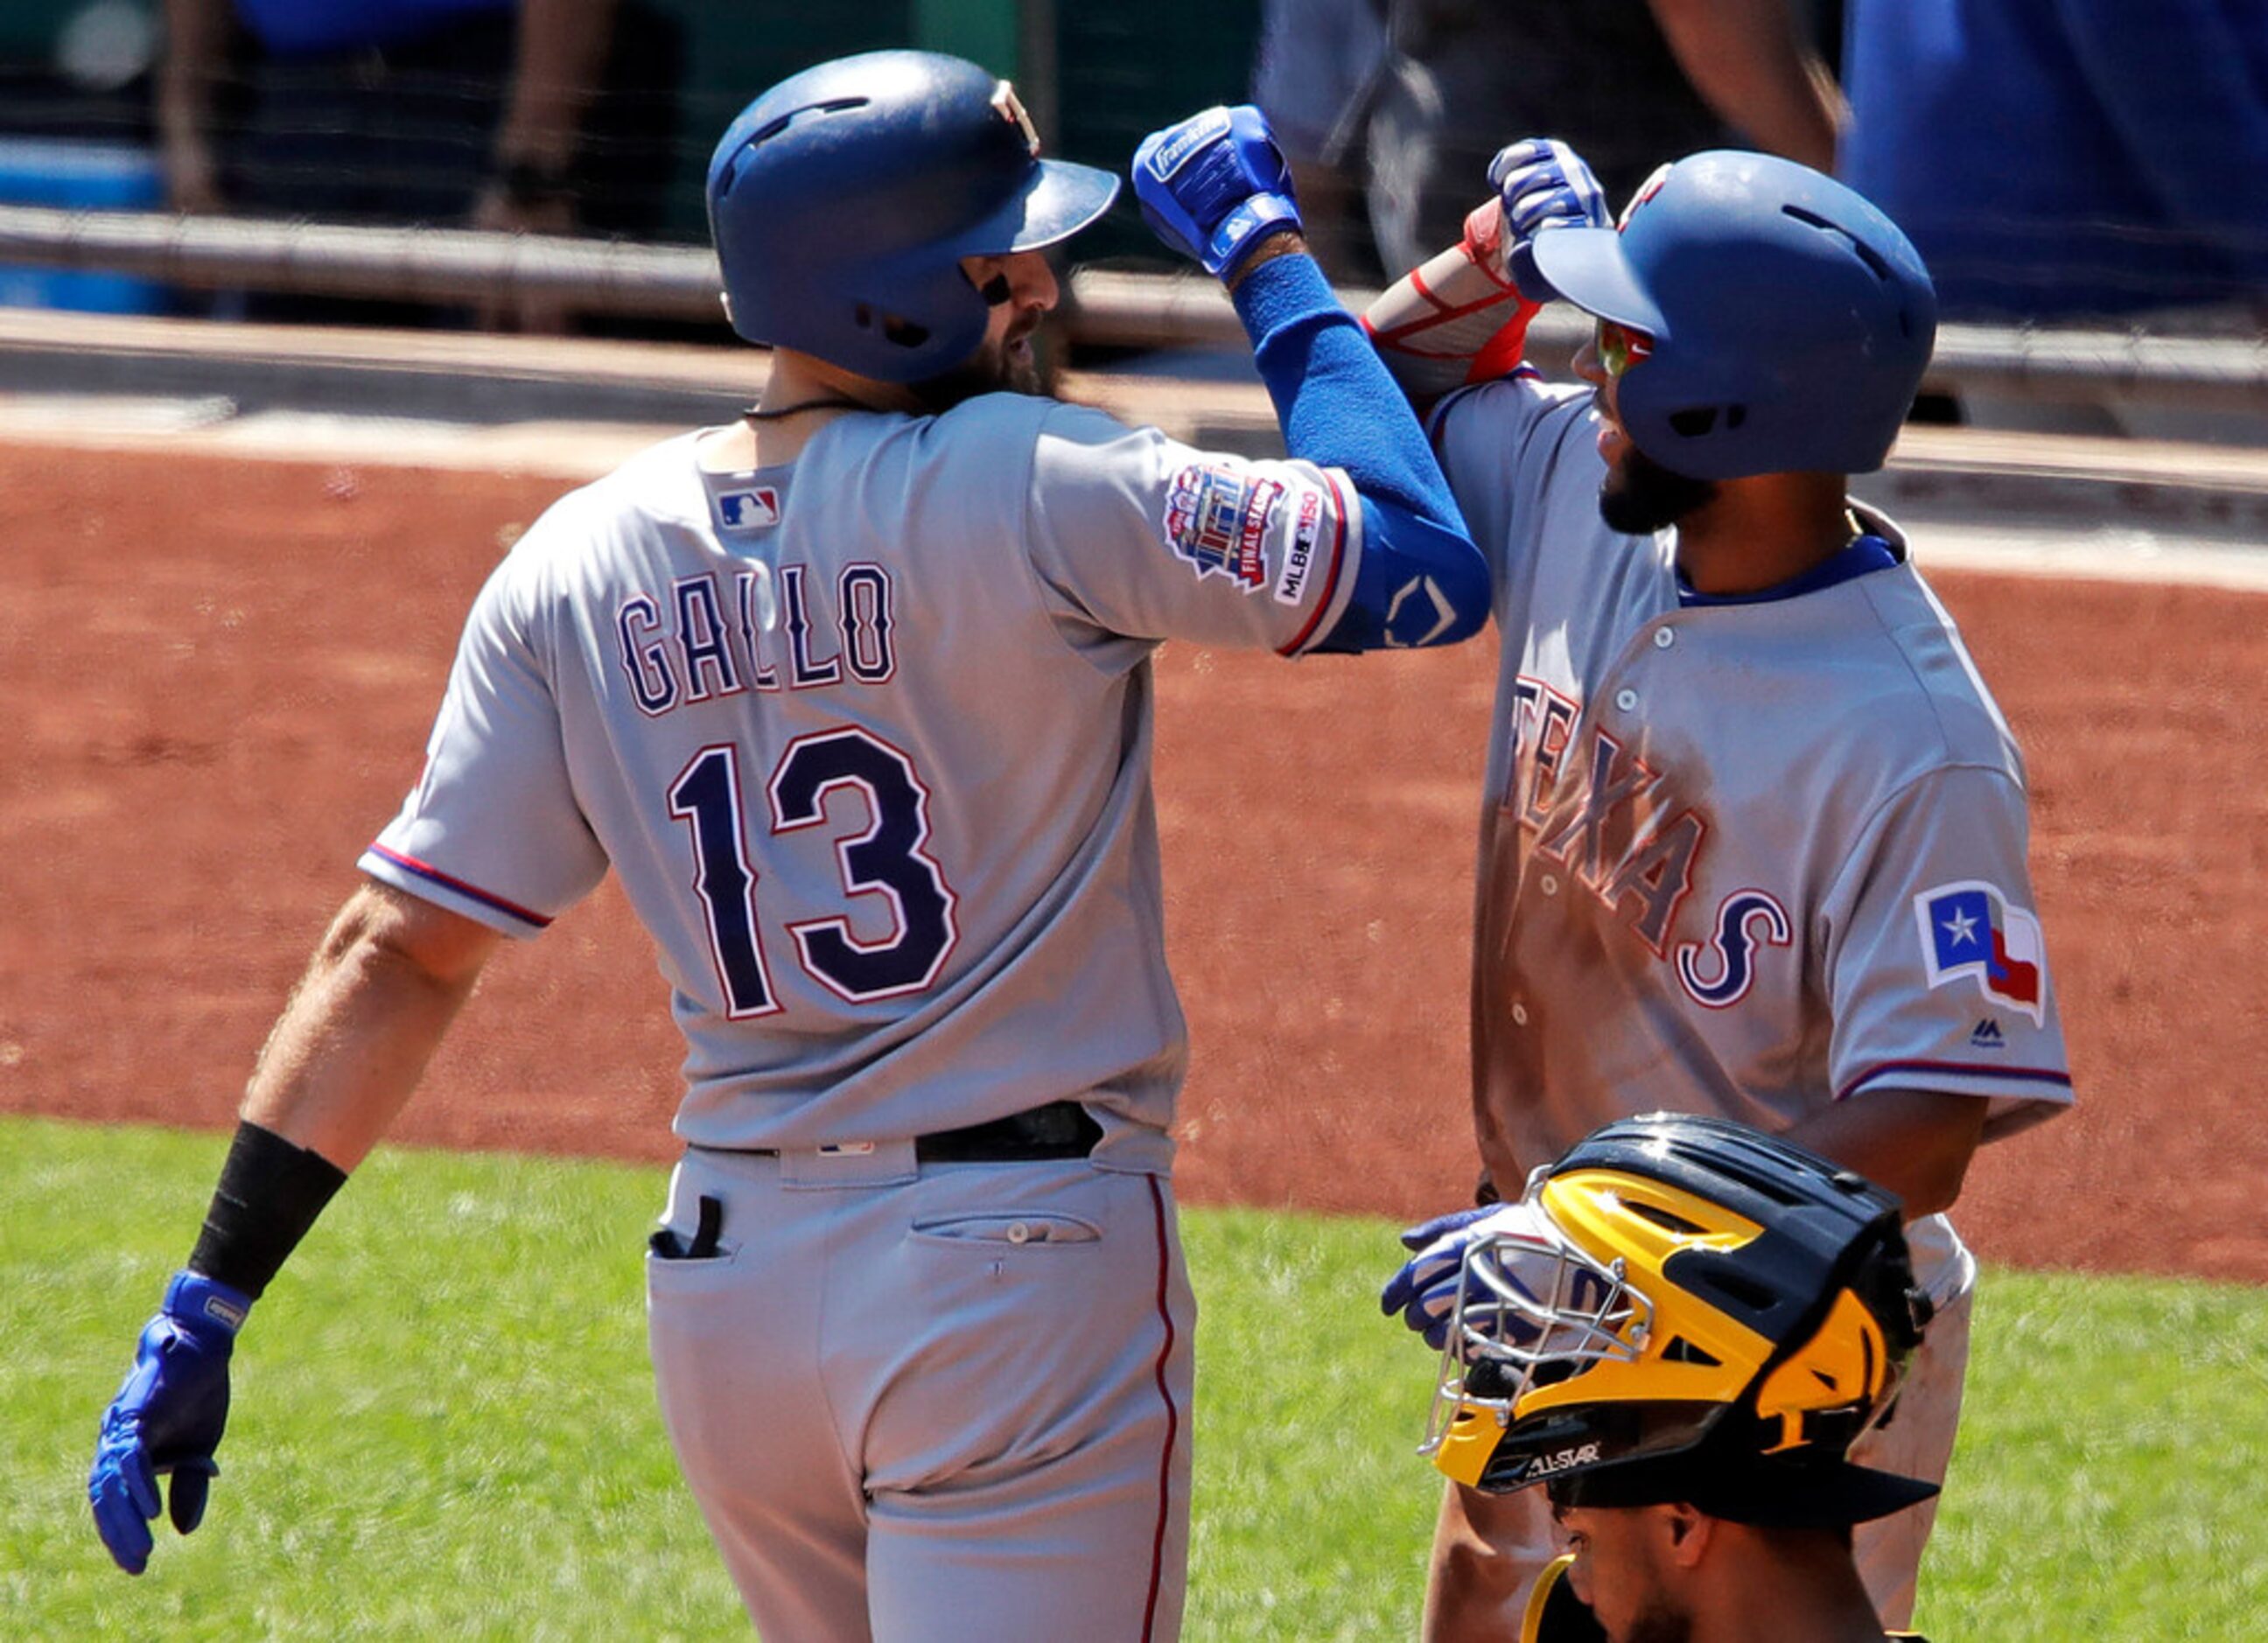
(1023, 1230)
(701, 1244)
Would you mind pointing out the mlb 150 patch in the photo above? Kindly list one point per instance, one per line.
(1299, 557)
(1217, 519)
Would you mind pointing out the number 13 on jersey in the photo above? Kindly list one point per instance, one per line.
(887, 860)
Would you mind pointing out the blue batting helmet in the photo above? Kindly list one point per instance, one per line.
(1791, 320)
(842, 200)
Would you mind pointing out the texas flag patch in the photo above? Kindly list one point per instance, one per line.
(1970, 928)
(1216, 518)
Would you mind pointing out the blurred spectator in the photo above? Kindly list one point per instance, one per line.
(2069, 160)
(457, 112)
(1317, 63)
(1628, 83)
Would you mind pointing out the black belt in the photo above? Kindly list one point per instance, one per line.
(1062, 1129)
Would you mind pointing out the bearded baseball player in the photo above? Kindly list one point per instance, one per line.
(1753, 837)
(854, 697)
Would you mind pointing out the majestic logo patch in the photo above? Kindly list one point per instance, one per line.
(1217, 519)
(1299, 559)
(1970, 928)
(1987, 1035)
(750, 510)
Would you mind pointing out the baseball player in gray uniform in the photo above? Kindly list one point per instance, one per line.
(854, 697)
(1754, 837)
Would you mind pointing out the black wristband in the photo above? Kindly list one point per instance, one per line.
(271, 1192)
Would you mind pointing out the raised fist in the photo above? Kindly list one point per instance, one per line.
(1214, 185)
(1541, 184)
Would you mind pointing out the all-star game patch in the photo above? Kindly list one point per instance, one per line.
(1216, 518)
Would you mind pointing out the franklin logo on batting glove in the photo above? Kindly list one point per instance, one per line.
(1199, 129)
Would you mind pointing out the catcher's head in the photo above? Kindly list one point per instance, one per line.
(1693, 1312)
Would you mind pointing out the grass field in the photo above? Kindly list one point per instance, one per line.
(444, 1425)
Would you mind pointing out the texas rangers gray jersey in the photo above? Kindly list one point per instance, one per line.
(867, 738)
(1741, 857)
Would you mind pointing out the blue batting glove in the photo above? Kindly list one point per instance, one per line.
(167, 1417)
(1424, 1291)
(1543, 184)
(1215, 185)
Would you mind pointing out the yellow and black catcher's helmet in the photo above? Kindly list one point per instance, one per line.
(1686, 1309)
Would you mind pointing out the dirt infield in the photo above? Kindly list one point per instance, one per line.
(219, 676)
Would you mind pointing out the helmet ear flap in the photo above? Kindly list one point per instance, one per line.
(1845, 1369)
(927, 313)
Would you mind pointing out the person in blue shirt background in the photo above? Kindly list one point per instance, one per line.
(2073, 161)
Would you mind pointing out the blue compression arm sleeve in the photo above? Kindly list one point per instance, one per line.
(1421, 580)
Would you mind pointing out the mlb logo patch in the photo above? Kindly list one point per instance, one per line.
(1216, 518)
(753, 509)
(1969, 929)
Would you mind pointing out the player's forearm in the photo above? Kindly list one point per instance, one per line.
(1749, 65)
(1335, 404)
(353, 1041)
(1420, 580)
(1447, 323)
(196, 35)
(562, 49)
(1914, 1143)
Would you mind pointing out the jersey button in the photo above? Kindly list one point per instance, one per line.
(1019, 1233)
(1548, 884)
(1626, 700)
(1663, 638)
(1520, 1015)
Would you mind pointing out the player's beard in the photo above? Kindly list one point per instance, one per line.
(994, 368)
(1658, 1624)
(1640, 496)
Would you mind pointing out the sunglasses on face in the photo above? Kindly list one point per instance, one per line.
(1619, 347)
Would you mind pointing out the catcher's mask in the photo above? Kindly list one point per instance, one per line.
(1692, 1311)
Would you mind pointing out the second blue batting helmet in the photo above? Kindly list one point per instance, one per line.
(842, 200)
(1790, 319)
